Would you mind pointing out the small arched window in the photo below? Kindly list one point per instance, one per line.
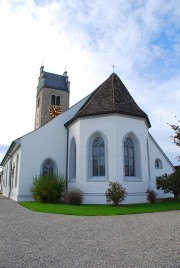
(98, 157)
(49, 167)
(58, 101)
(158, 164)
(129, 160)
(38, 104)
(53, 100)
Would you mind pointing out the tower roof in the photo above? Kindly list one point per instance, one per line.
(52, 80)
(55, 81)
(111, 97)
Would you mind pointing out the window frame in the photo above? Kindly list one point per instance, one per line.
(89, 163)
(97, 145)
(137, 177)
(129, 158)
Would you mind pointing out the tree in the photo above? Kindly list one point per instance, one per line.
(176, 137)
(169, 183)
(115, 194)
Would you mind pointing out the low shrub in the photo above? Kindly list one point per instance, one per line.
(74, 197)
(115, 194)
(48, 188)
(151, 196)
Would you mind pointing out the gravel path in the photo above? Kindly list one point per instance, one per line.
(30, 239)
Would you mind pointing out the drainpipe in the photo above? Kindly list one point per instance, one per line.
(10, 177)
(1, 179)
(67, 157)
(149, 171)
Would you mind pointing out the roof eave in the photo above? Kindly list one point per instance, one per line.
(105, 113)
(17, 144)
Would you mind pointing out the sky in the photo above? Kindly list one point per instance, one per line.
(85, 38)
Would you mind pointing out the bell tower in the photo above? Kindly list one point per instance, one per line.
(52, 96)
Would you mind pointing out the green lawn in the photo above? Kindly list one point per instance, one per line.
(102, 210)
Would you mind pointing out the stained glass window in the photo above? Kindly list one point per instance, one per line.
(48, 167)
(98, 154)
(129, 157)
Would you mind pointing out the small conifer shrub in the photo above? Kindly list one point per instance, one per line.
(115, 194)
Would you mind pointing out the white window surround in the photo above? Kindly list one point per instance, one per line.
(72, 160)
(89, 162)
(137, 159)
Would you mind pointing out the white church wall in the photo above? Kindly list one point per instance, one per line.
(114, 128)
(11, 173)
(49, 141)
(155, 152)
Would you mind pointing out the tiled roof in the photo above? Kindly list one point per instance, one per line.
(52, 80)
(111, 97)
(55, 81)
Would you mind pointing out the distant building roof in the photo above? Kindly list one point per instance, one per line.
(52, 80)
(111, 97)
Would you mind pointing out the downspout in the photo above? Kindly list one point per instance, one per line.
(10, 177)
(1, 179)
(149, 170)
(67, 157)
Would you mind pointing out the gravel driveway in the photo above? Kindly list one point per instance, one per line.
(31, 239)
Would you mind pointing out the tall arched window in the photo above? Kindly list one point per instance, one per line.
(58, 101)
(72, 162)
(53, 100)
(129, 161)
(49, 167)
(98, 157)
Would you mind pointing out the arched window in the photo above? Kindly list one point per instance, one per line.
(58, 101)
(98, 157)
(129, 161)
(49, 167)
(16, 174)
(53, 102)
(38, 102)
(158, 164)
(72, 160)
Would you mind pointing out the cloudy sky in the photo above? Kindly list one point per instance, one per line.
(86, 37)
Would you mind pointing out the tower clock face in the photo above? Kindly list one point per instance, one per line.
(54, 111)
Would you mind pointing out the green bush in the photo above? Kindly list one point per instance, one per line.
(115, 194)
(74, 197)
(48, 188)
(151, 196)
(169, 183)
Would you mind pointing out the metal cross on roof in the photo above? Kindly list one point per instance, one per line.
(113, 67)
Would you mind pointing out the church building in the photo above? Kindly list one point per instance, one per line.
(102, 138)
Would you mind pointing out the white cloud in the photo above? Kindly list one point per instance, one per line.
(140, 37)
